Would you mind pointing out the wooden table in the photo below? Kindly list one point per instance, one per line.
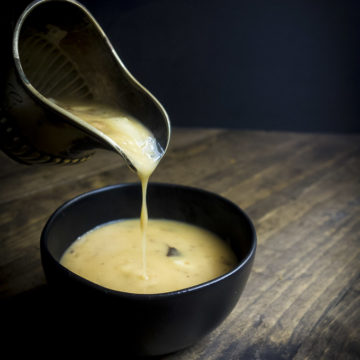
(302, 191)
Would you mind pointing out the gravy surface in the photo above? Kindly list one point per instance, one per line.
(178, 255)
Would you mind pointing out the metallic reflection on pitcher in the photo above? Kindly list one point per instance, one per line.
(63, 65)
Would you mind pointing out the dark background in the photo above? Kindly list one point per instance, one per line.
(253, 64)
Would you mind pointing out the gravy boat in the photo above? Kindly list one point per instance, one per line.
(60, 53)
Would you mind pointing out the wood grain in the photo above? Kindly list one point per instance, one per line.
(302, 191)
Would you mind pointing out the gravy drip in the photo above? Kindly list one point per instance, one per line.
(134, 140)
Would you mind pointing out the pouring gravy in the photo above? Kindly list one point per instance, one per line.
(135, 141)
(174, 255)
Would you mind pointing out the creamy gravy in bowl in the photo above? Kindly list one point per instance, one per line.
(179, 255)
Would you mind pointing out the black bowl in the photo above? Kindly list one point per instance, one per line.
(141, 324)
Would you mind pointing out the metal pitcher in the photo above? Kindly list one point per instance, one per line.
(60, 52)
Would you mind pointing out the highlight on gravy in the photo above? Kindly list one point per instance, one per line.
(179, 255)
(134, 139)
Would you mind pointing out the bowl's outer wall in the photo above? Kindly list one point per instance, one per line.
(147, 324)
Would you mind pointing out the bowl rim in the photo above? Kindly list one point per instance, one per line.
(46, 252)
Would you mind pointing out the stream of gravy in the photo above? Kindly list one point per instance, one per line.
(136, 142)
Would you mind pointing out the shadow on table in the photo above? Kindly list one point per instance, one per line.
(35, 321)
